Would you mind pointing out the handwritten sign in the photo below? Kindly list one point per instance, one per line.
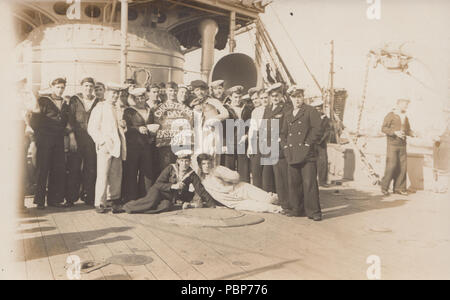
(176, 121)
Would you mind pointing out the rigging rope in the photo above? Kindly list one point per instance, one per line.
(274, 58)
(278, 56)
(298, 52)
(363, 100)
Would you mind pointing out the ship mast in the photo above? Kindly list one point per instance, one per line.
(331, 101)
(123, 42)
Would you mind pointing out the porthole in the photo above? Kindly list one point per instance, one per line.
(92, 11)
(60, 8)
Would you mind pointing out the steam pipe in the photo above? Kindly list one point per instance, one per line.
(208, 29)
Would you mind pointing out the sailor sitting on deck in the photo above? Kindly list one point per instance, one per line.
(226, 188)
(173, 184)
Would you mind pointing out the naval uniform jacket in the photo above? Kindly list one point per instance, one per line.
(392, 123)
(300, 133)
(51, 121)
(266, 129)
(245, 114)
(171, 176)
(79, 117)
(134, 120)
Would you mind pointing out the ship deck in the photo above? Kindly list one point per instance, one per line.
(410, 235)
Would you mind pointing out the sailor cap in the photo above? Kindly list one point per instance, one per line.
(235, 89)
(253, 90)
(137, 92)
(115, 87)
(295, 90)
(199, 84)
(275, 87)
(185, 153)
(317, 102)
(217, 83)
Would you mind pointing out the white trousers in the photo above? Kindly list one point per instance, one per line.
(109, 178)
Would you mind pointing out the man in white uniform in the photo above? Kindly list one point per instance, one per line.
(106, 128)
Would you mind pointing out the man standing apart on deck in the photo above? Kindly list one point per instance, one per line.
(82, 162)
(106, 128)
(396, 127)
(301, 131)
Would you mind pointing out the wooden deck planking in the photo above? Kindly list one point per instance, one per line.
(192, 249)
(213, 238)
(232, 251)
(36, 257)
(183, 268)
(73, 240)
(279, 248)
(241, 248)
(56, 248)
(319, 252)
(18, 266)
(138, 246)
(99, 250)
(119, 247)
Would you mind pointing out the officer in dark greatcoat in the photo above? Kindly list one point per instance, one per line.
(301, 131)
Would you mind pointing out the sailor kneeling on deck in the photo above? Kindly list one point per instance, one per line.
(177, 182)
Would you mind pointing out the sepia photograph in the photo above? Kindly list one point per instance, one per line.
(221, 145)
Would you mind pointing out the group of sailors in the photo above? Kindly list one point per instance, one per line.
(99, 146)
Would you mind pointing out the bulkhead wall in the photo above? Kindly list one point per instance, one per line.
(76, 51)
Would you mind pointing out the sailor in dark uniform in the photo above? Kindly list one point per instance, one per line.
(240, 111)
(256, 168)
(301, 131)
(162, 92)
(322, 152)
(82, 159)
(276, 172)
(177, 182)
(49, 122)
(397, 128)
(141, 165)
